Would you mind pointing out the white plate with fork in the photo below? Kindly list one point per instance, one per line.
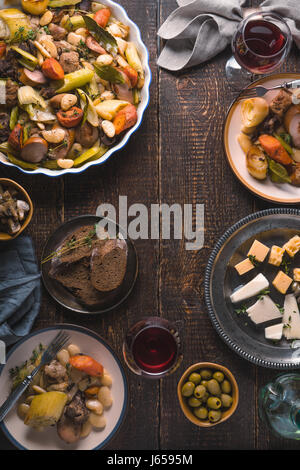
(265, 189)
(90, 343)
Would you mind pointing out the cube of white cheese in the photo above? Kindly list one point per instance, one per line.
(263, 310)
(253, 287)
(258, 250)
(291, 318)
(274, 332)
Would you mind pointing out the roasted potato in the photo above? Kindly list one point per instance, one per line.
(257, 163)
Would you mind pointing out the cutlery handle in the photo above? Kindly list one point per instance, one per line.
(15, 395)
(293, 84)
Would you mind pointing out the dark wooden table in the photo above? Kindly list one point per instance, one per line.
(175, 157)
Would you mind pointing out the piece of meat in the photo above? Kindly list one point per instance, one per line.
(4, 127)
(76, 409)
(86, 135)
(62, 149)
(69, 61)
(269, 125)
(64, 46)
(280, 104)
(56, 371)
(67, 430)
(9, 66)
(28, 46)
(57, 32)
(57, 15)
(11, 89)
(47, 92)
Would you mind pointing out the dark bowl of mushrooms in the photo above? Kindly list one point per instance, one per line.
(16, 209)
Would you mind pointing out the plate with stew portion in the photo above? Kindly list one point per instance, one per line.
(269, 188)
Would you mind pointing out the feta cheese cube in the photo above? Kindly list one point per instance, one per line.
(276, 255)
(258, 250)
(282, 282)
(244, 266)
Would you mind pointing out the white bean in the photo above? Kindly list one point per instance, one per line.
(104, 59)
(54, 136)
(86, 429)
(23, 410)
(67, 101)
(104, 396)
(38, 389)
(108, 128)
(46, 18)
(65, 163)
(95, 406)
(63, 357)
(107, 95)
(106, 380)
(97, 421)
(73, 349)
(74, 38)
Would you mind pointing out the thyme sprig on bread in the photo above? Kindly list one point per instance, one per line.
(72, 245)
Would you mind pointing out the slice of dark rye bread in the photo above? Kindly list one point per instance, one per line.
(76, 278)
(108, 265)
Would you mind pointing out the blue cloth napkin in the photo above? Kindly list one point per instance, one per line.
(20, 289)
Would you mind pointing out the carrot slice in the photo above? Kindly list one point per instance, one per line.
(132, 75)
(87, 364)
(102, 16)
(274, 149)
(52, 69)
(125, 118)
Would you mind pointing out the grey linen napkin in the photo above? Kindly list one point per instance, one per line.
(199, 29)
(20, 289)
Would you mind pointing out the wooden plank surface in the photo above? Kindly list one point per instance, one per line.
(175, 157)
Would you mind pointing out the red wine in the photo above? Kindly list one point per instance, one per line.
(261, 47)
(154, 349)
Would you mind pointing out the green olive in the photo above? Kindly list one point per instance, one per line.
(226, 386)
(214, 403)
(201, 412)
(194, 402)
(226, 400)
(199, 391)
(195, 378)
(188, 389)
(205, 397)
(206, 374)
(213, 387)
(219, 376)
(204, 383)
(214, 416)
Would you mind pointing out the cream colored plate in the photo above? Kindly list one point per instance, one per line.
(280, 193)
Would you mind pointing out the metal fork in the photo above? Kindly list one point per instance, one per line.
(261, 91)
(56, 344)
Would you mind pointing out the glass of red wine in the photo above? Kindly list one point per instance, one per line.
(152, 348)
(260, 45)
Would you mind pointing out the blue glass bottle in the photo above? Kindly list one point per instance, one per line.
(279, 405)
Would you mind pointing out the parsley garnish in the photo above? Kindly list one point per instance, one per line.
(253, 260)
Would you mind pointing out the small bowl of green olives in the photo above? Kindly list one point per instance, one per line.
(208, 394)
